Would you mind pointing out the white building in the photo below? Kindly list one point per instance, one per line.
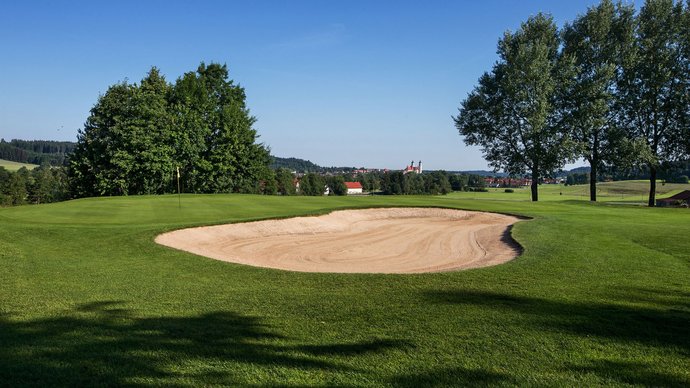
(354, 188)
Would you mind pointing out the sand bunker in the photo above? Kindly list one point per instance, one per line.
(395, 240)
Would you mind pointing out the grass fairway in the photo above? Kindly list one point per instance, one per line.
(14, 166)
(621, 192)
(599, 297)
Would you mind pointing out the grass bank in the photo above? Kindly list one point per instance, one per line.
(624, 192)
(599, 297)
(14, 166)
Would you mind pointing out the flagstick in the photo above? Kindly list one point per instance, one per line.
(179, 196)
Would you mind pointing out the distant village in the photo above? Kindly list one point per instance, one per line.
(354, 178)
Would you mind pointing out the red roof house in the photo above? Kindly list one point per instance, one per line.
(354, 187)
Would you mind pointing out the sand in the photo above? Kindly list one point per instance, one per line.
(391, 240)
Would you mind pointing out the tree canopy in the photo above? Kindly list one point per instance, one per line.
(513, 112)
(613, 88)
(655, 85)
(138, 134)
(595, 41)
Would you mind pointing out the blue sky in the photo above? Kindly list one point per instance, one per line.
(342, 83)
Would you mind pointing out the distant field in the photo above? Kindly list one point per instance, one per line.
(621, 191)
(599, 297)
(14, 166)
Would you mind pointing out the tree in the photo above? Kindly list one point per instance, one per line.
(512, 114)
(150, 138)
(16, 193)
(285, 181)
(594, 42)
(413, 184)
(476, 181)
(436, 183)
(100, 162)
(138, 135)
(654, 85)
(337, 186)
(126, 146)
(312, 184)
(42, 188)
(5, 177)
(392, 183)
(371, 181)
(577, 179)
(458, 182)
(218, 149)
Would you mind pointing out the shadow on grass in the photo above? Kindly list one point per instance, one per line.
(636, 373)
(103, 344)
(453, 377)
(663, 325)
(507, 239)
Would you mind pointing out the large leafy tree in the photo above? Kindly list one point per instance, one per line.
(393, 183)
(312, 184)
(219, 152)
(125, 146)
(151, 138)
(594, 42)
(513, 113)
(285, 181)
(654, 89)
(437, 183)
(138, 135)
(100, 164)
(336, 184)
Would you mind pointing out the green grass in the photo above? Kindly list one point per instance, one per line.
(599, 297)
(14, 166)
(628, 192)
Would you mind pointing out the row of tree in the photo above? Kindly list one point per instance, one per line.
(47, 184)
(434, 183)
(43, 184)
(578, 178)
(612, 87)
(138, 136)
(390, 183)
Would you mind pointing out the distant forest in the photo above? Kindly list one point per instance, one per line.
(305, 166)
(39, 152)
(55, 153)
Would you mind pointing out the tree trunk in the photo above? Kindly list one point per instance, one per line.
(593, 182)
(535, 181)
(652, 186)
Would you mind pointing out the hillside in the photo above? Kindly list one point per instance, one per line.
(14, 166)
(36, 151)
(303, 166)
(294, 164)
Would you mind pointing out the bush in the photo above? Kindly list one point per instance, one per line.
(509, 190)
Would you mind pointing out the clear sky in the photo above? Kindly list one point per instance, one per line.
(341, 83)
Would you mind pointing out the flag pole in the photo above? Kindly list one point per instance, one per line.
(179, 197)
